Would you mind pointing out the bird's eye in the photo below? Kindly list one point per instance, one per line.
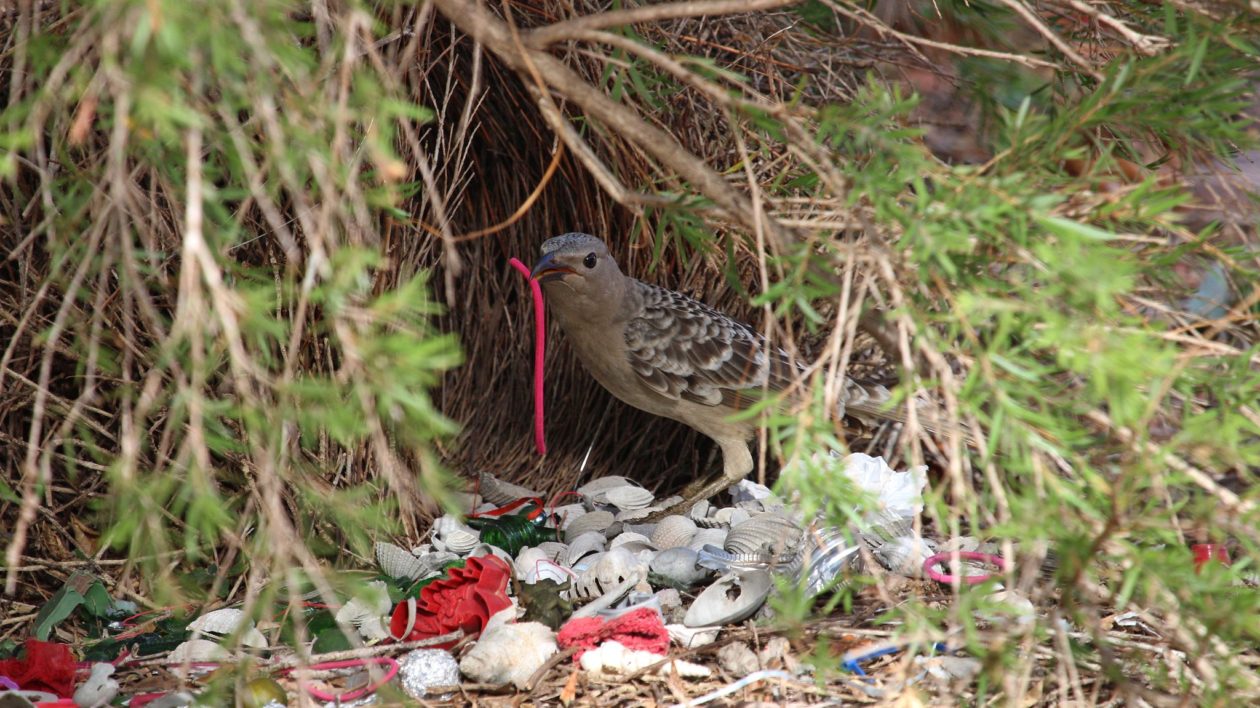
(589, 261)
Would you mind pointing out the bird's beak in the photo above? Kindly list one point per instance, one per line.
(548, 269)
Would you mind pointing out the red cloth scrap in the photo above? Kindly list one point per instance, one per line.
(637, 629)
(48, 666)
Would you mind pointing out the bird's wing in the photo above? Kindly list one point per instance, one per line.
(684, 349)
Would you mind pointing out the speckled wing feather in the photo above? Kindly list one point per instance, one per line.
(683, 349)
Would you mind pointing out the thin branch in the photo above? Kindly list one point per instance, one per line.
(1053, 37)
(492, 32)
(566, 29)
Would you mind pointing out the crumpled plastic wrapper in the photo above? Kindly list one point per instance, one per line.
(421, 669)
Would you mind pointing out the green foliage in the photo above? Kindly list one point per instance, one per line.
(235, 382)
(1036, 284)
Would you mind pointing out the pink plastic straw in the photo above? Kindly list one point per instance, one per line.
(929, 566)
(540, 334)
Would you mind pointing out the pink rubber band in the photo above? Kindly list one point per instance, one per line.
(929, 566)
(351, 664)
(540, 335)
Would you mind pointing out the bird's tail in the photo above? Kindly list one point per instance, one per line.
(871, 402)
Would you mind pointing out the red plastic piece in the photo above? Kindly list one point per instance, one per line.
(540, 335)
(942, 559)
(1207, 552)
(638, 629)
(48, 666)
(465, 599)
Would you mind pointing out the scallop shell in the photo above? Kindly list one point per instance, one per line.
(398, 562)
(700, 510)
(450, 534)
(632, 515)
(614, 568)
(554, 549)
(221, 623)
(533, 564)
(498, 492)
(764, 533)
(731, 516)
(528, 558)
(708, 537)
(485, 549)
(589, 542)
(602, 484)
(674, 531)
(636, 541)
(568, 513)
(596, 521)
(629, 497)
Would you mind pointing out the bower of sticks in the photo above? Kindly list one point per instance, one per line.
(639, 124)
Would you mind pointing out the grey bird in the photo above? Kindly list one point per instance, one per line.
(670, 355)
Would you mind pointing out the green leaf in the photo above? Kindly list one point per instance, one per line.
(7, 493)
(97, 601)
(1073, 229)
(58, 607)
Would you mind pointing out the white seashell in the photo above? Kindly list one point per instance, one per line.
(485, 549)
(673, 532)
(613, 568)
(631, 515)
(629, 498)
(398, 562)
(498, 492)
(747, 490)
(700, 510)
(587, 543)
(548, 570)
(365, 610)
(612, 658)
(508, 651)
(633, 542)
(708, 537)
(568, 513)
(765, 533)
(555, 550)
(733, 598)
(595, 521)
(527, 560)
(1007, 607)
(221, 622)
(195, 650)
(731, 516)
(600, 485)
(452, 535)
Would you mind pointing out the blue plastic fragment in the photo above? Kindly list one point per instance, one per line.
(853, 664)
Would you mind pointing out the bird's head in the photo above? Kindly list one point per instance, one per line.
(577, 272)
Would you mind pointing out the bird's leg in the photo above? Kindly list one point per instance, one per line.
(737, 462)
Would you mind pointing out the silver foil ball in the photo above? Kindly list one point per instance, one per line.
(421, 669)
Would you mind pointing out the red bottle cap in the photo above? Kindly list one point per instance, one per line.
(1204, 552)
